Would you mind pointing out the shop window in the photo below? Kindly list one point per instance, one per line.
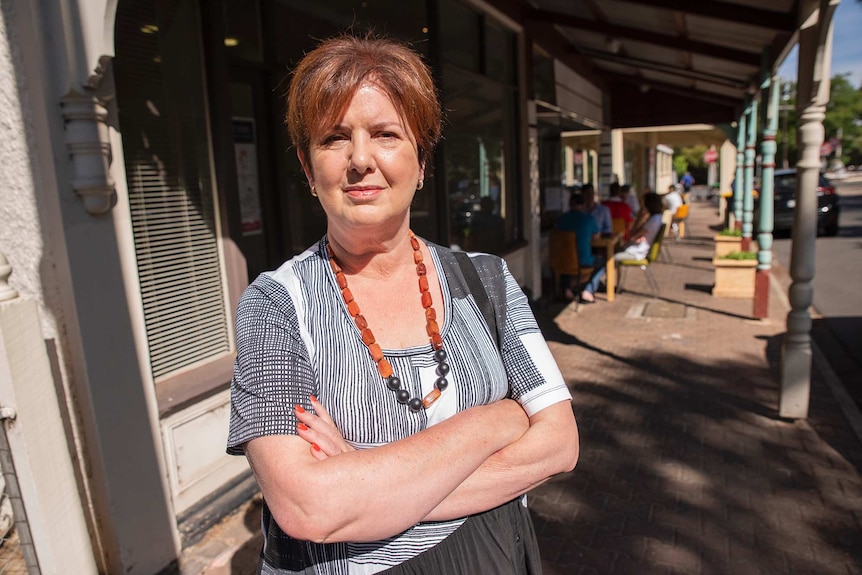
(160, 97)
(480, 162)
(242, 35)
(460, 35)
(500, 57)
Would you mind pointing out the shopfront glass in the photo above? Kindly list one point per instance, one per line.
(480, 145)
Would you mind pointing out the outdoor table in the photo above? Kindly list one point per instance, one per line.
(609, 242)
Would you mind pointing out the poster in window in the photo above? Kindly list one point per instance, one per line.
(248, 183)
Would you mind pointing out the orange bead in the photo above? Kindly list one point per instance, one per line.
(432, 327)
(367, 336)
(376, 352)
(342, 281)
(384, 368)
(414, 242)
(347, 295)
(335, 267)
(353, 308)
(432, 396)
(426, 299)
(417, 257)
(436, 341)
(423, 283)
(360, 321)
(421, 269)
(430, 314)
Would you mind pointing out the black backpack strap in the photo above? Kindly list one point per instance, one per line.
(480, 294)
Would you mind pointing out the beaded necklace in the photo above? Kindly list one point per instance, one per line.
(383, 365)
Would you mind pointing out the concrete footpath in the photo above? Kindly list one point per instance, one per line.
(685, 465)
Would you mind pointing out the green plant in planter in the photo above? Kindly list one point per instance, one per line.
(730, 232)
(739, 256)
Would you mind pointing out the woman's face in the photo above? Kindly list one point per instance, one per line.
(365, 169)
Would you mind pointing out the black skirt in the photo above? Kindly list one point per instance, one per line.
(501, 541)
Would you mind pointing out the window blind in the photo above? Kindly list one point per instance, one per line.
(160, 96)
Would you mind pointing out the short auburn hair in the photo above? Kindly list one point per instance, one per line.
(326, 79)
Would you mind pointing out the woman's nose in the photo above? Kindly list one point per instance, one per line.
(361, 155)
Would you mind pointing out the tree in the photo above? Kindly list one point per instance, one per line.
(844, 118)
(690, 159)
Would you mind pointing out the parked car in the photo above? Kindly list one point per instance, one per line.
(828, 207)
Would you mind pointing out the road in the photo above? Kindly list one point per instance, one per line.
(838, 288)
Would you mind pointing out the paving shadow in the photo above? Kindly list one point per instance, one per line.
(685, 468)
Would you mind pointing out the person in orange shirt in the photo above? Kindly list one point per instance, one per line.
(619, 208)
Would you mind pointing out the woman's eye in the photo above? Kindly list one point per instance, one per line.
(332, 138)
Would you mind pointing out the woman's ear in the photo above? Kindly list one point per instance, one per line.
(305, 168)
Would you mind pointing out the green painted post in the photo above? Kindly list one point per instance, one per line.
(748, 189)
(768, 147)
(738, 184)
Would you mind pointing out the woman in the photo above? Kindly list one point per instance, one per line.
(645, 231)
(369, 394)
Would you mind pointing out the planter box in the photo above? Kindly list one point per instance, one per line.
(726, 244)
(734, 278)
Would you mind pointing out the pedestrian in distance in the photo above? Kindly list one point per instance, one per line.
(392, 425)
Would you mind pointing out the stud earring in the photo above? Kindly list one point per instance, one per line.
(420, 185)
(313, 193)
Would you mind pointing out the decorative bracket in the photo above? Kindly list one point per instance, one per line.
(87, 139)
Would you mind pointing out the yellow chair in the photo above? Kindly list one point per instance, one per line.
(644, 264)
(678, 222)
(563, 255)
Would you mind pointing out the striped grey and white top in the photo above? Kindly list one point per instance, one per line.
(295, 338)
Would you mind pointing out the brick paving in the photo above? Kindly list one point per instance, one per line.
(685, 466)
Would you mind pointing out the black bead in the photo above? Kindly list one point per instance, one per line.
(402, 395)
(393, 383)
(415, 404)
(440, 355)
(443, 369)
(442, 383)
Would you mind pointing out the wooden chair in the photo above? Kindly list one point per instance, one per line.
(563, 255)
(618, 225)
(677, 225)
(644, 264)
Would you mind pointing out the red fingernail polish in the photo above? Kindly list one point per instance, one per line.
(315, 446)
(299, 409)
(302, 426)
(313, 398)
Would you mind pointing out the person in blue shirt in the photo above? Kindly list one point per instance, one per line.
(601, 214)
(579, 221)
(687, 182)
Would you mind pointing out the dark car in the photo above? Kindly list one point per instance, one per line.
(785, 203)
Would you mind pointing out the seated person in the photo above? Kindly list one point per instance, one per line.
(618, 207)
(642, 237)
(645, 234)
(600, 213)
(579, 221)
(672, 201)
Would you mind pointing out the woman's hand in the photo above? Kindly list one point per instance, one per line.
(320, 432)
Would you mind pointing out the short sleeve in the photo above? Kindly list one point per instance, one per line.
(272, 371)
(534, 376)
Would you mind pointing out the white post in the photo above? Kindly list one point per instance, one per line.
(815, 55)
(37, 441)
